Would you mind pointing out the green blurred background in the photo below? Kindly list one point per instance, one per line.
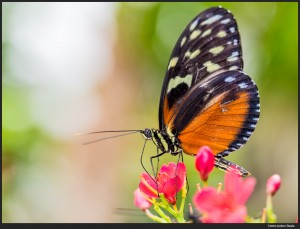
(80, 67)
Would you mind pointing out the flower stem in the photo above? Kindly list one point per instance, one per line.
(162, 214)
(166, 205)
(183, 196)
(178, 215)
(269, 210)
(154, 217)
(264, 216)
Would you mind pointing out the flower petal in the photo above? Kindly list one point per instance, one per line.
(181, 171)
(162, 178)
(233, 184)
(169, 169)
(218, 207)
(169, 190)
(148, 185)
(173, 169)
(238, 216)
(237, 189)
(207, 200)
(246, 191)
(140, 201)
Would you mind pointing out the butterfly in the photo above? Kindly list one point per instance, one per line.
(206, 98)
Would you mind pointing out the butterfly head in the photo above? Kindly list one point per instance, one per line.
(147, 133)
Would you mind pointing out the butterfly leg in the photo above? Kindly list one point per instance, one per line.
(156, 156)
(157, 165)
(180, 153)
(151, 162)
(141, 160)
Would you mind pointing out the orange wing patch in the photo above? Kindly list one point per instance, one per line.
(169, 114)
(216, 126)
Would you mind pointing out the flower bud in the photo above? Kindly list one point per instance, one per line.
(273, 184)
(204, 162)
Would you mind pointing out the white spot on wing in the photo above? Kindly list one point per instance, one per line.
(173, 62)
(232, 29)
(206, 32)
(195, 34)
(211, 67)
(182, 41)
(211, 19)
(229, 79)
(194, 24)
(226, 152)
(233, 68)
(174, 82)
(236, 53)
(243, 85)
(221, 34)
(187, 54)
(195, 53)
(233, 57)
(216, 50)
(225, 21)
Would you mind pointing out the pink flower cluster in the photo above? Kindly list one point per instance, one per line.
(227, 206)
(169, 181)
(214, 205)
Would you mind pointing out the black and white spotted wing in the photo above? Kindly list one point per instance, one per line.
(206, 99)
(209, 43)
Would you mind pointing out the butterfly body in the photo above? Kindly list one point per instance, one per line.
(206, 98)
(165, 142)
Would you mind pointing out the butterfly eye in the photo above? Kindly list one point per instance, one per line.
(147, 133)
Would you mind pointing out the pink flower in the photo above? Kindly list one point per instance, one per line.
(170, 180)
(140, 201)
(226, 206)
(204, 162)
(273, 184)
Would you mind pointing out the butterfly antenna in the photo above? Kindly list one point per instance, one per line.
(109, 131)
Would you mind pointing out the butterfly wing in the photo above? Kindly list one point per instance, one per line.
(210, 42)
(220, 111)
